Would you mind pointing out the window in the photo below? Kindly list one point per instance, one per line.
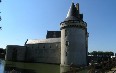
(67, 43)
(66, 33)
(66, 53)
(43, 46)
(50, 46)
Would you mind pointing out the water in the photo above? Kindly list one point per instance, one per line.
(20, 67)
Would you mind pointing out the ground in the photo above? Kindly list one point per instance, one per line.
(113, 70)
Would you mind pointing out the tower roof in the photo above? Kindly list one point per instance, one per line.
(53, 34)
(73, 13)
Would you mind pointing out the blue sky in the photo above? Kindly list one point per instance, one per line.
(30, 19)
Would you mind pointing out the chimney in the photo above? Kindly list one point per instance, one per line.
(78, 11)
(77, 6)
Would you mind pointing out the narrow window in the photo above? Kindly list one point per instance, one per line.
(67, 43)
(66, 53)
(66, 33)
(50, 46)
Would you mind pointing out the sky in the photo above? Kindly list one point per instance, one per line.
(30, 19)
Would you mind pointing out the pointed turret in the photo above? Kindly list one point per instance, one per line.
(73, 13)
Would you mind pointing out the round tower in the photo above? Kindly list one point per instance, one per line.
(74, 39)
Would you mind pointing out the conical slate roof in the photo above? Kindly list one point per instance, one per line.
(72, 13)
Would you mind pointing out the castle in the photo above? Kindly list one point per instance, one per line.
(66, 47)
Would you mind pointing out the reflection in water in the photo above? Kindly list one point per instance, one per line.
(1, 66)
(19, 67)
(17, 70)
(72, 70)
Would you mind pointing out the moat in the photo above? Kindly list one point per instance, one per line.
(20, 67)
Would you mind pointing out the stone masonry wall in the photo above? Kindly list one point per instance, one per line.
(44, 52)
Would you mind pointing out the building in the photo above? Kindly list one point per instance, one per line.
(66, 47)
(42, 51)
(74, 38)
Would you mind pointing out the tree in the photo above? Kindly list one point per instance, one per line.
(94, 53)
(1, 50)
(115, 54)
(100, 53)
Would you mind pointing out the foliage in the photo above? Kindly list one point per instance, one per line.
(101, 53)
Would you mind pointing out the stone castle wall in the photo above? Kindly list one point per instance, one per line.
(44, 52)
(41, 52)
(15, 53)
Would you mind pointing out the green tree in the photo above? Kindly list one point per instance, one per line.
(94, 53)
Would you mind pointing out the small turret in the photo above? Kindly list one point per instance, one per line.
(74, 13)
(77, 6)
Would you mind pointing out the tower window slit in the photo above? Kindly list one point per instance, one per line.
(67, 43)
(66, 53)
(66, 33)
